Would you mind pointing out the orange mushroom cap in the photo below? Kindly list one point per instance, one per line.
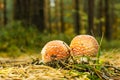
(55, 50)
(84, 45)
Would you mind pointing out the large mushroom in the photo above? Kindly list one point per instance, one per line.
(84, 45)
(55, 50)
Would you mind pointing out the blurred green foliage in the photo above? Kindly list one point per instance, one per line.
(14, 37)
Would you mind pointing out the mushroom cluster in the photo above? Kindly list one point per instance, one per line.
(81, 45)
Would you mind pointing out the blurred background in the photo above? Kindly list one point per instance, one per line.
(27, 25)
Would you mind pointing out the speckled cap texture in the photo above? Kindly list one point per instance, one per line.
(84, 45)
(55, 50)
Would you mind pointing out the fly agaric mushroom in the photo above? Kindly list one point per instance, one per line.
(84, 45)
(55, 50)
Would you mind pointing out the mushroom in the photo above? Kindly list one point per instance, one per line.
(84, 45)
(55, 50)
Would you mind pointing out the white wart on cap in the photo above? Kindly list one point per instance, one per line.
(55, 50)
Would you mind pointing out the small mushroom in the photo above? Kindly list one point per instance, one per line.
(84, 45)
(55, 50)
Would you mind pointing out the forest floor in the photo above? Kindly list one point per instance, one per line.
(20, 68)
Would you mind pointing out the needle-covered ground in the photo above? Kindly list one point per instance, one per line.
(21, 68)
(112, 57)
